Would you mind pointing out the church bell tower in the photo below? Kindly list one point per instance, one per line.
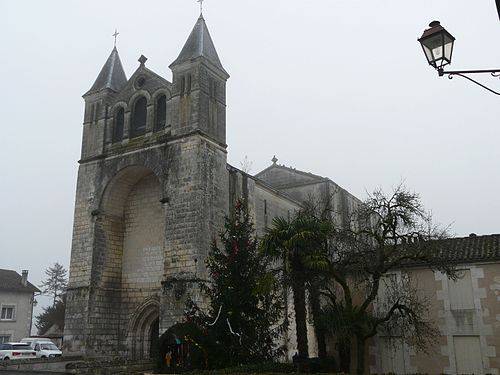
(152, 193)
(199, 82)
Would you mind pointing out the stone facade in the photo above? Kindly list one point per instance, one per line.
(466, 312)
(153, 189)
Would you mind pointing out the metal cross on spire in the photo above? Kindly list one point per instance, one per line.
(115, 35)
(201, 5)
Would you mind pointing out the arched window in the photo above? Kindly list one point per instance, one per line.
(161, 112)
(139, 116)
(118, 125)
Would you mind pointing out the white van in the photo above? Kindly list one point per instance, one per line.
(43, 347)
(46, 349)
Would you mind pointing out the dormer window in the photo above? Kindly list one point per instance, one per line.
(139, 117)
(118, 125)
(161, 112)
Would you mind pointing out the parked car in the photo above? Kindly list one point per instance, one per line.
(46, 349)
(16, 350)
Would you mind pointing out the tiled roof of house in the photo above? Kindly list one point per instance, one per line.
(11, 281)
(472, 249)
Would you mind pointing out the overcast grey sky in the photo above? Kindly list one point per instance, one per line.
(339, 88)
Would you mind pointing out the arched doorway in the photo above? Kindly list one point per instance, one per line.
(154, 339)
(143, 332)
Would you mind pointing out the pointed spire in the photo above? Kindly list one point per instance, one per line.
(199, 44)
(112, 75)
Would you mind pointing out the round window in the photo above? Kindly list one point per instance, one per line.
(140, 81)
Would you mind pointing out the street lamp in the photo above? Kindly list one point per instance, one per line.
(437, 44)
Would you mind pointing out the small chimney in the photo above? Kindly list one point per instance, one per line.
(24, 277)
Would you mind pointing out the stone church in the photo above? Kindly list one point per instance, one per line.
(153, 188)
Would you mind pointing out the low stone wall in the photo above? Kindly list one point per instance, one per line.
(77, 365)
(108, 366)
(51, 365)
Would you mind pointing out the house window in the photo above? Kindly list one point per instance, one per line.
(386, 292)
(161, 112)
(468, 355)
(8, 313)
(460, 291)
(393, 355)
(119, 123)
(139, 117)
(4, 338)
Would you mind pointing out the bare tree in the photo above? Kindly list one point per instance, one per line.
(386, 235)
(246, 165)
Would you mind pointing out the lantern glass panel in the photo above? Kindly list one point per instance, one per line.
(428, 53)
(433, 48)
(448, 48)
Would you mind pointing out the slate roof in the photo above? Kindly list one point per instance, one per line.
(11, 281)
(199, 44)
(112, 75)
(472, 249)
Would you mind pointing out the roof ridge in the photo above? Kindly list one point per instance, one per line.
(308, 174)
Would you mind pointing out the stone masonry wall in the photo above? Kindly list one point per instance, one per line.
(143, 251)
(94, 293)
(268, 205)
(198, 202)
(143, 241)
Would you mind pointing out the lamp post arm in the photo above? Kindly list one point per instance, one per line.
(477, 71)
(462, 73)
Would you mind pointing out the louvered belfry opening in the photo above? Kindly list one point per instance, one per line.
(118, 125)
(139, 116)
(161, 112)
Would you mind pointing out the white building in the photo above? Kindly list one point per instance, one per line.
(16, 305)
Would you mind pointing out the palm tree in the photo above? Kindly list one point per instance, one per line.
(299, 246)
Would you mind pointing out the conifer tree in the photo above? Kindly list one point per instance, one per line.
(56, 282)
(51, 315)
(244, 302)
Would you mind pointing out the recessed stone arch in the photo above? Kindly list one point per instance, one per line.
(129, 253)
(121, 103)
(115, 127)
(133, 98)
(162, 91)
(119, 187)
(132, 222)
(142, 331)
(162, 116)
